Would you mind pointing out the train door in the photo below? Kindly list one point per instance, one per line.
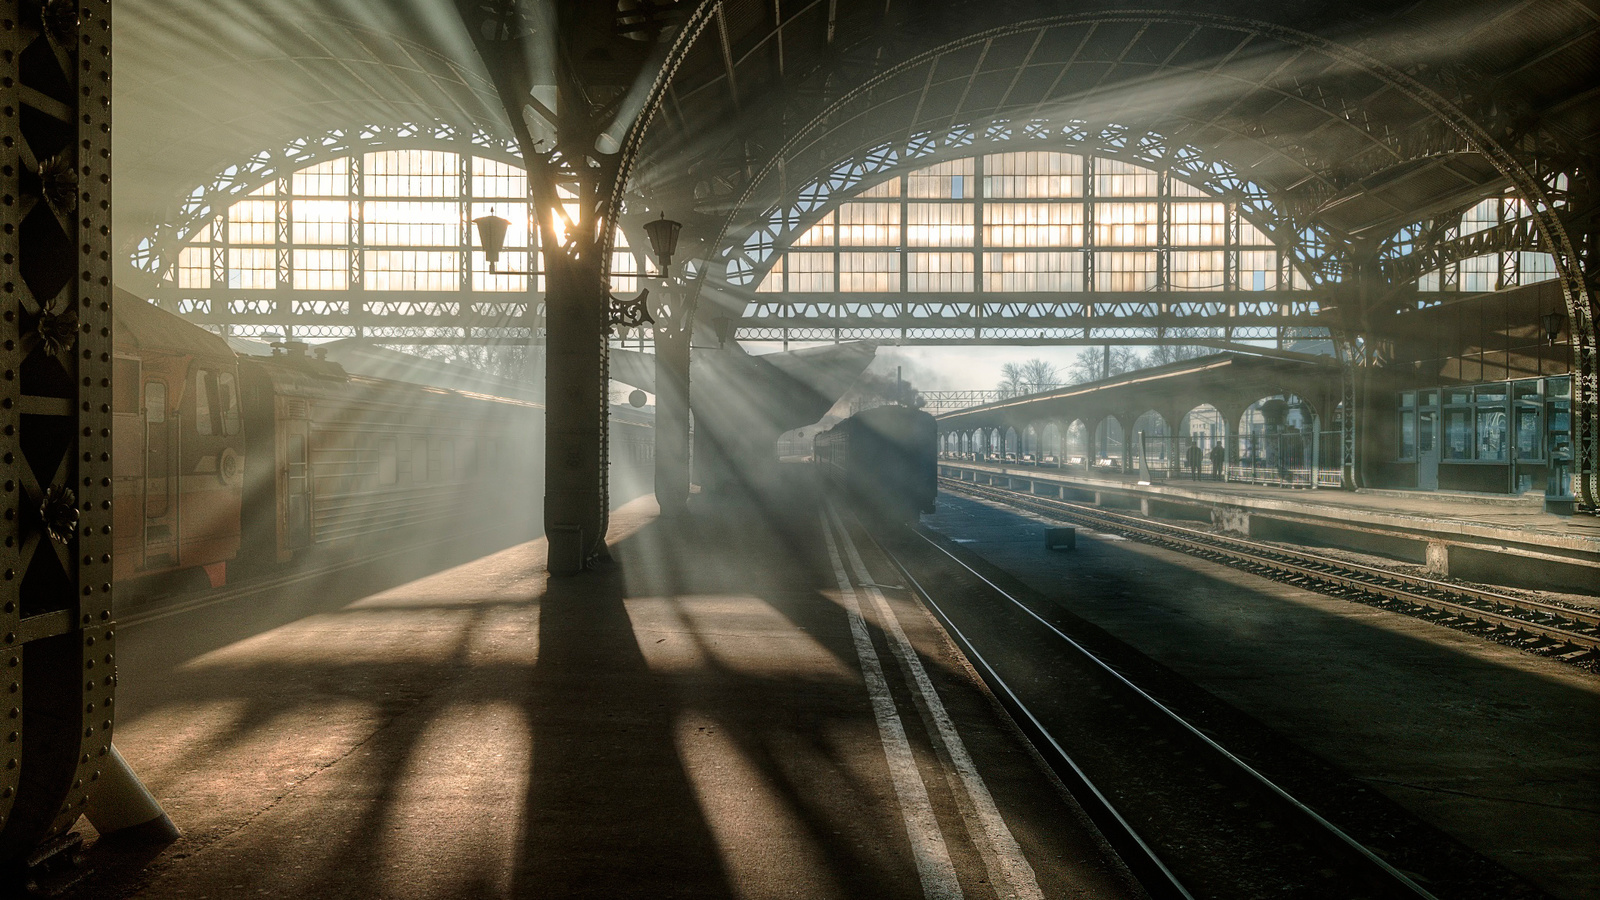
(1428, 440)
(297, 487)
(160, 506)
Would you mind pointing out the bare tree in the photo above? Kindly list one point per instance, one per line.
(1161, 355)
(1039, 375)
(1011, 380)
(1096, 363)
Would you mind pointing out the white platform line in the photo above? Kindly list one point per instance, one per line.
(1009, 870)
(928, 848)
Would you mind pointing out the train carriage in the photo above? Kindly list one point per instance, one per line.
(884, 460)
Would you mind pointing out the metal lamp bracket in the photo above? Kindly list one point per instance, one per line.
(629, 313)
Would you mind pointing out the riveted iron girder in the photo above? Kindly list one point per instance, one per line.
(57, 663)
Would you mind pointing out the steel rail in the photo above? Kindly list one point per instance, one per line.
(1401, 587)
(1377, 869)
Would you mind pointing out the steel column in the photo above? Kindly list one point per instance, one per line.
(57, 637)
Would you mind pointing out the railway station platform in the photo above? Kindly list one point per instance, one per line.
(1494, 747)
(1498, 540)
(736, 705)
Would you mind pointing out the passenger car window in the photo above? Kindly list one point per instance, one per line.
(388, 461)
(204, 386)
(228, 401)
(155, 402)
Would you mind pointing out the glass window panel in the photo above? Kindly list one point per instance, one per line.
(319, 222)
(252, 269)
(939, 224)
(1533, 267)
(939, 271)
(411, 173)
(1251, 236)
(510, 274)
(1125, 271)
(1180, 188)
(869, 272)
(624, 271)
(943, 181)
(388, 461)
(1198, 224)
(890, 188)
(1033, 224)
(1480, 272)
(194, 267)
(1196, 270)
(869, 225)
(321, 270)
(1490, 393)
(1484, 215)
(390, 223)
(1458, 434)
(810, 272)
(491, 178)
(329, 179)
(1125, 224)
(773, 282)
(251, 222)
(1033, 173)
(1408, 435)
(1033, 271)
(1492, 434)
(1115, 178)
(412, 270)
(269, 189)
(1529, 445)
(1258, 270)
(818, 235)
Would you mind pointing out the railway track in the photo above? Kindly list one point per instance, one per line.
(1190, 818)
(1572, 633)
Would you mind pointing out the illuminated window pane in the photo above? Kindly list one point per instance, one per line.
(939, 225)
(890, 188)
(939, 272)
(818, 235)
(624, 271)
(1532, 267)
(1033, 224)
(1125, 224)
(1251, 236)
(252, 269)
(1196, 270)
(412, 270)
(1033, 173)
(1484, 215)
(1258, 270)
(1198, 224)
(773, 283)
(869, 225)
(1181, 188)
(392, 223)
(194, 267)
(251, 222)
(1114, 178)
(869, 272)
(411, 173)
(1125, 271)
(496, 179)
(509, 274)
(319, 221)
(1480, 272)
(943, 181)
(1032, 272)
(329, 179)
(321, 270)
(810, 272)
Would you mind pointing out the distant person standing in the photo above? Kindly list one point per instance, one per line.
(1217, 456)
(1193, 459)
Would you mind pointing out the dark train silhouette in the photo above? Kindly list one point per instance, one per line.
(884, 461)
(223, 459)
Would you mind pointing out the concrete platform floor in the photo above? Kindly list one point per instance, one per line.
(723, 711)
(1497, 747)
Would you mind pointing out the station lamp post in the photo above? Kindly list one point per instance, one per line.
(674, 326)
